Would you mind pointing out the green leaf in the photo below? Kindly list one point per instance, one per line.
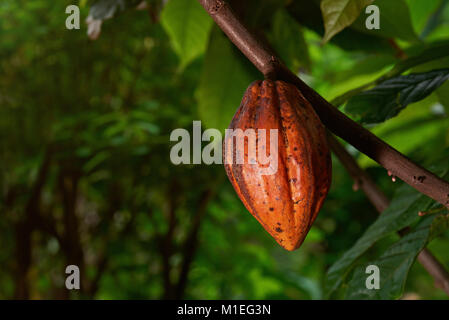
(440, 224)
(443, 96)
(368, 65)
(188, 26)
(426, 57)
(96, 161)
(391, 96)
(395, 21)
(394, 265)
(309, 15)
(226, 75)
(339, 14)
(402, 212)
(420, 11)
(148, 127)
(287, 38)
(437, 19)
(425, 54)
(262, 12)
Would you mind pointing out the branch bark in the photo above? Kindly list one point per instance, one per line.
(191, 244)
(266, 61)
(381, 202)
(24, 230)
(166, 242)
(68, 185)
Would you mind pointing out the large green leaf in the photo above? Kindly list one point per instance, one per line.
(420, 11)
(394, 265)
(391, 96)
(288, 40)
(226, 75)
(426, 57)
(402, 212)
(308, 13)
(419, 55)
(443, 96)
(339, 14)
(395, 21)
(188, 26)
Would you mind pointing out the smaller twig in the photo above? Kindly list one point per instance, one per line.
(360, 177)
(399, 53)
(381, 202)
(435, 269)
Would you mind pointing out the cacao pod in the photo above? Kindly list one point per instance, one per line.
(286, 202)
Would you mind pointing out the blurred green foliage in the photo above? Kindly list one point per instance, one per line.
(85, 172)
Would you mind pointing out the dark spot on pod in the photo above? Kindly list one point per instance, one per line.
(271, 209)
(278, 230)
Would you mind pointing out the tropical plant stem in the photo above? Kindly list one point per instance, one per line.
(266, 61)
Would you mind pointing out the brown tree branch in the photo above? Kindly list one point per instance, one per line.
(435, 269)
(381, 202)
(191, 244)
(166, 241)
(361, 179)
(399, 165)
(25, 228)
(68, 185)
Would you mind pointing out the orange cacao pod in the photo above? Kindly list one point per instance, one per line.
(286, 202)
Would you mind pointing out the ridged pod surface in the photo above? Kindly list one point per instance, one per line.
(286, 202)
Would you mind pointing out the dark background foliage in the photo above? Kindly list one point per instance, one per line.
(85, 173)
